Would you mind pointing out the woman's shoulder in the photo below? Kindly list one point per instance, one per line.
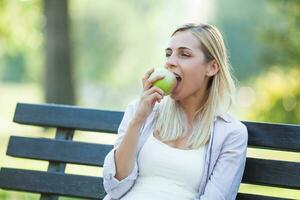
(232, 125)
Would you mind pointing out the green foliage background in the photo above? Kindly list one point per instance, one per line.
(115, 42)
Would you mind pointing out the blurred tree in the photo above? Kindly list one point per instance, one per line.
(14, 68)
(20, 41)
(277, 96)
(278, 89)
(110, 35)
(59, 83)
(281, 32)
(238, 21)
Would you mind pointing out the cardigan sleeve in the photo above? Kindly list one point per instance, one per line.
(224, 181)
(113, 187)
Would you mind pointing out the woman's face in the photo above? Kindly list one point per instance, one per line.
(186, 60)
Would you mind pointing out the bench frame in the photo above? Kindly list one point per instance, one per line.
(62, 150)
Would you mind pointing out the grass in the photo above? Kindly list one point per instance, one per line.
(11, 94)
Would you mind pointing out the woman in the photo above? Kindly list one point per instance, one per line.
(183, 146)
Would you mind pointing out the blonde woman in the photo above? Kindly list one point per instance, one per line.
(183, 146)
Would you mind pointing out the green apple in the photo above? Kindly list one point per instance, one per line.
(168, 83)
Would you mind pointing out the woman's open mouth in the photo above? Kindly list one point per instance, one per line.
(178, 80)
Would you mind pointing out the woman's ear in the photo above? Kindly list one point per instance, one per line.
(213, 68)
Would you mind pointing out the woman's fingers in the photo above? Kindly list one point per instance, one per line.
(149, 82)
(148, 74)
(154, 97)
(151, 93)
(153, 90)
(146, 77)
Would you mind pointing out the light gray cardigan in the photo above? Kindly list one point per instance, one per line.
(225, 157)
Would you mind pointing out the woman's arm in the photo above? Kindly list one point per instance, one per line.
(113, 186)
(224, 181)
(125, 154)
(120, 166)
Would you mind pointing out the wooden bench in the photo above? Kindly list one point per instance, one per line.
(62, 150)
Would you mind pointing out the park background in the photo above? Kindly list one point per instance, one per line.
(94, 53)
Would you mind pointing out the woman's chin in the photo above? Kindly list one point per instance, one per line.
(175, 96)
(176, 93)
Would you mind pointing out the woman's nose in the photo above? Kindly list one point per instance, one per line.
(171, 62)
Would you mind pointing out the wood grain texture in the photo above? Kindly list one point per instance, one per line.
(51, 183)
(72, 117)
(58, 150)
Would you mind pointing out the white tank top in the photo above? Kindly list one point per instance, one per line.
(166, 172)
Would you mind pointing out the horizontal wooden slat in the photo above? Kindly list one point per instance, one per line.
(272, 173)
(241, 196)
(274, 136)
(54, 115)
(52, 183)
(58, 150)
(262, 135)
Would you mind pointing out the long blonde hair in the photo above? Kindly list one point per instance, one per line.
(171, 122)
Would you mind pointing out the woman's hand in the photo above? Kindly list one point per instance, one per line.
(150, 95)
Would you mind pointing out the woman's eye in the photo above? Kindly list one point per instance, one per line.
(182, 55)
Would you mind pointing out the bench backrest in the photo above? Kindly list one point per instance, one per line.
(62, 150)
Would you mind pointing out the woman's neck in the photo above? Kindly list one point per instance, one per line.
(192, 105)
